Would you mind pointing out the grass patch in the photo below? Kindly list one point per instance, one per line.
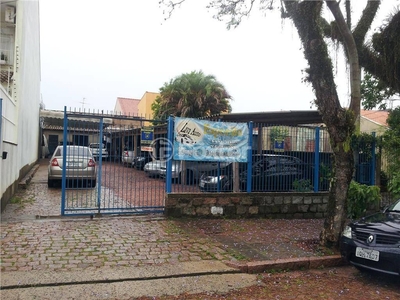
(173, 228)
(237, 255)
(16, 200)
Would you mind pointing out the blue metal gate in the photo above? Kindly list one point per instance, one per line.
(121, 186)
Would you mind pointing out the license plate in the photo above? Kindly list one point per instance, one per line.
(367, 254)
(73, 164)
(201, 184)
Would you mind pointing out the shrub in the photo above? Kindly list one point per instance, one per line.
(394, 185)
(360, 198)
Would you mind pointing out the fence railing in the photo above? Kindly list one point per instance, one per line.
(283, 158)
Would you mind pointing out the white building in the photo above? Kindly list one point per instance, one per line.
(19, 92)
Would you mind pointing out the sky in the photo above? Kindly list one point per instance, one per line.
(93, 51)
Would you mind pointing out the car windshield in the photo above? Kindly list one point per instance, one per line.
(74, 151)
(394, 207)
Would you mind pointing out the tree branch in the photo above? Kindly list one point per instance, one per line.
(351, 48)
(364, 24)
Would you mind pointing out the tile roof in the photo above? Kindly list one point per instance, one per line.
(376, 116)
(129, 106)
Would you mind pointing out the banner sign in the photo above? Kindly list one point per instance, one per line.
(147, 136)
(210, 141)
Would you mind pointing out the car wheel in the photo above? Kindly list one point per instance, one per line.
(93, 183)
(50, 183)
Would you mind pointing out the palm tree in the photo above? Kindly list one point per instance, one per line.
(191, 95)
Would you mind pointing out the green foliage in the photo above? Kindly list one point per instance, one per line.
(374, 92)
(363, 143)
(394, 184)
(191, 95)
(278, 133)
(325, 172)
(360, 198)
(394, 119)
(302, 185)
(391, 147)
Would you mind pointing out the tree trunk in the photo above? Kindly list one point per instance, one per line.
(339, 121)
(337, 204)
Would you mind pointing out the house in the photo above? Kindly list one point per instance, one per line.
(374, 121)
(20, 134)
(127, 107)
(145, 104)
(136, 107)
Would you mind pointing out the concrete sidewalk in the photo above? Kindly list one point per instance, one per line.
(121, 257)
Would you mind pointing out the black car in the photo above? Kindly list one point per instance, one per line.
(270, 172)
(374, 242)
(142, 159)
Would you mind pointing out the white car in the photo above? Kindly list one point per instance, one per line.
(95, 148)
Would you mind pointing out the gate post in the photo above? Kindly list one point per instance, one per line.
(170, 152)
(316, 160)
(250, 157)
(64, 171)
(100, 165)
(373, 160)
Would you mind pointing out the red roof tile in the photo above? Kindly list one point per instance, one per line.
(128, 106)
(377, 116)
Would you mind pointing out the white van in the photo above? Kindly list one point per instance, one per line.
(45, 147)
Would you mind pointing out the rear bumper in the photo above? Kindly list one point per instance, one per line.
(89, 173)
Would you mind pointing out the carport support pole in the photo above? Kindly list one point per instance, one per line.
(373, 160)
(316, 160)
(170, 151)
(64, 170)
(250, 157)
(100, 164)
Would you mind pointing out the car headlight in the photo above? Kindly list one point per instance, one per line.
(216, 179)
(347, 232)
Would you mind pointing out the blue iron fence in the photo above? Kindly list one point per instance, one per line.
(134, 172)
(282, 158)
(121, 186)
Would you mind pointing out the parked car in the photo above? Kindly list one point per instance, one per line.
(81, 166)
(270, 172)
(128, 157)
(194, 169)
(95, 148)
(142, 159)
(153, 168)
(373, 243)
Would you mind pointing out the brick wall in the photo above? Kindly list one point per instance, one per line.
(235, 205)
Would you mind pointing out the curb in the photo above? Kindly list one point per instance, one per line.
(28, 177)
(43, 278)
(288, 264)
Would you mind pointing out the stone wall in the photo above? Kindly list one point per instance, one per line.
(236, 205)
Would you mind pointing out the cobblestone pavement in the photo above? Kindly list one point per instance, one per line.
(35, 237)
(74, 244)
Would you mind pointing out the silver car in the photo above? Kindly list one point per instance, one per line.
(153, 168)
(80, 166)
(128, 158)
(95, 148)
